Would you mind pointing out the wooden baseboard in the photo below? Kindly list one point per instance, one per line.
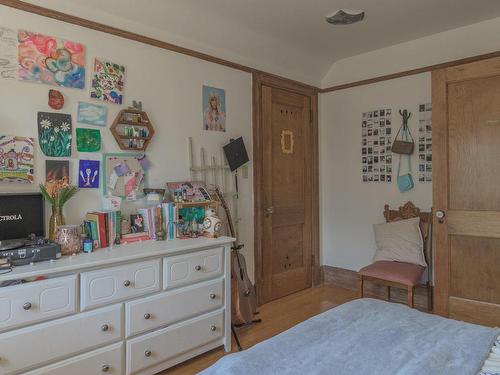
(349, 280)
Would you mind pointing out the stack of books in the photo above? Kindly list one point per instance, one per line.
(103, 228)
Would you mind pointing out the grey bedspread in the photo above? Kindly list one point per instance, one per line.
(366, 337)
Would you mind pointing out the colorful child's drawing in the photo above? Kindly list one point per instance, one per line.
(54, 133)
(214, 109)
(88, 140)
(50, 60)
(92, 114)
(108, 82)
(88, 174)
(16, 159)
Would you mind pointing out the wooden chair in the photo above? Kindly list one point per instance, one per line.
(399, 274)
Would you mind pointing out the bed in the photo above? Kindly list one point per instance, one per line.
(368, 336)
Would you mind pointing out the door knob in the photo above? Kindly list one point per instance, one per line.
(440, 216)
(27, 306)
(105, 368)
(269, 211)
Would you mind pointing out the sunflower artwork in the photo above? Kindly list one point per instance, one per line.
(55, 133)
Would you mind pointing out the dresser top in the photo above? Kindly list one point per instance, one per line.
(113, 255)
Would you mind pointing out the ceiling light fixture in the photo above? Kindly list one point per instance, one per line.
(345, 17)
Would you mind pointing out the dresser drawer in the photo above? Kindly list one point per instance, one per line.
(169, 307)
(107, 360)
(37, 301)
(110, 285)
(159, 346)
(183, 269)
(59, 339)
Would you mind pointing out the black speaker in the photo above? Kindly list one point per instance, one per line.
(236, 153)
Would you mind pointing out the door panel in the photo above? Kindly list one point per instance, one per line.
(286, 253)
(466, 139)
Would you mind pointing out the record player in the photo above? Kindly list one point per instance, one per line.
(33, 249)
(22, 230)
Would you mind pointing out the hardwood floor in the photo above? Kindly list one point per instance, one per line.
(277, 316)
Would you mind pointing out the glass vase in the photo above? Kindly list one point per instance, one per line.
(56, 219)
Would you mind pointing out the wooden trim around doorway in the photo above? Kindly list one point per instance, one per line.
(260, 79)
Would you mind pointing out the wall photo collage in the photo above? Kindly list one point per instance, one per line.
(425, 143)
(376, 141)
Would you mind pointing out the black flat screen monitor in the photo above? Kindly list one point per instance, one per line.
(21, 215)
(236, 153)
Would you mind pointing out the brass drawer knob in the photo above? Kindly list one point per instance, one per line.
(213, 328)
(147, 316)
(126, 283)
(105, 368)
(105, 328)
(27, 306)
(148, 353)
(197, 268)
(212, 296)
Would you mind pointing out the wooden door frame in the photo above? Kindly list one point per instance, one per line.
(258, 80)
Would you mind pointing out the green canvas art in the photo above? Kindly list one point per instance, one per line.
(88, 140)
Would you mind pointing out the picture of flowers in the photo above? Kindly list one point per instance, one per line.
(50, 60)
(88, 140)
(108, 82)
(16, 159)
(55, 133)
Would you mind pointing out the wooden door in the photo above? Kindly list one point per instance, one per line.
(286, 193)
(466, 191)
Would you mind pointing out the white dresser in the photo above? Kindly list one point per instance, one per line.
(131, 309)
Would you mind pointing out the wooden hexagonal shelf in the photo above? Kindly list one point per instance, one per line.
(132, 130)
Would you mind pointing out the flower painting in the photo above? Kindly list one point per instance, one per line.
(50, 60)
(55, 133)
(108, 82)
(16, 159)
(92, 114)
(214, 109)
(88, 140)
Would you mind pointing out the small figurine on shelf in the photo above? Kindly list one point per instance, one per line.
(211, 224)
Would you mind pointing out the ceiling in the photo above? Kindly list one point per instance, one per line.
(288, 37)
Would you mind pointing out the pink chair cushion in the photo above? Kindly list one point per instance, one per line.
(399, 272)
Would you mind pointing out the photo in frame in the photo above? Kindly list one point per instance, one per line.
(123, 175)
(214, 109)
(56, 174)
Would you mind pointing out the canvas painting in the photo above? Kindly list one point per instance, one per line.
(17, 160)
(88, 140)
(56, 174)
(50, 60)
(92, 114)
(88, 174)
(108, 82)
(55, 133)
(8, 53)
(214, 109)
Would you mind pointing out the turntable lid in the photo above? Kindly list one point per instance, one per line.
(11, 244)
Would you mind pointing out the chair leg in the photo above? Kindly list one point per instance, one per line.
(429, 297)
(388, 292)
(411, 289)
(361, 281)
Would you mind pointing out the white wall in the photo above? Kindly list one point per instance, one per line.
(450, 45)
(349, 207)
(168, 84)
